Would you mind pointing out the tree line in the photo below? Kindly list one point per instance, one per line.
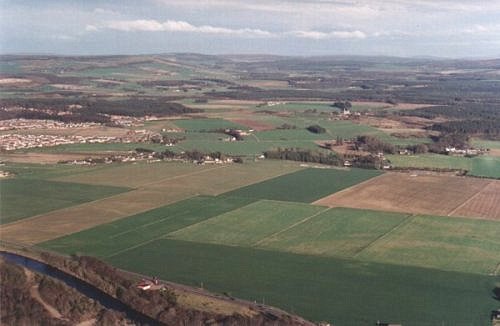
(90, 110)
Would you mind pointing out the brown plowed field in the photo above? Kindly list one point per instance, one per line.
(486, 203)
(422, 194)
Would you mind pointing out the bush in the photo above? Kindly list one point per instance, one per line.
(317, 129)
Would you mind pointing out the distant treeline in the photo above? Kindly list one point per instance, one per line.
(464, 111)
(310, 156)
(471, 119)
(85, 110)
(193, 155)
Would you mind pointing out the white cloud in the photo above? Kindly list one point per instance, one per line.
(150, 25)
(334, 34)
(483, 29)
(91, 28)
(101, 11)
(63, 37)
(182, 26)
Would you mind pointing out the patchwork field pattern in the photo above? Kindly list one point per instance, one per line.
(425, 241)
(422, 194)
(446, 243)
(119, 236)
(148, 195)
(345, 292)
(313, 259)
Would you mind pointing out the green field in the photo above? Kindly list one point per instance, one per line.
(448, 243)
(21, 198)
(306, 185)
(341, 232)
(206, 124)
(343, 292)
(248, 147)
(423, 241)
(492, 144)
(430, 160)
(118, 236)
(289, 134)
(49, 171)
(249, 224)
(485, 166)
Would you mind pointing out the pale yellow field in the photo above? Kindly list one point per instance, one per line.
(46, 158)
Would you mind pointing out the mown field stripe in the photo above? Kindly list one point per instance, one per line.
(263, 240)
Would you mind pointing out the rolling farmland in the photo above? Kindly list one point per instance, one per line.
(415, 245)
(296, 255)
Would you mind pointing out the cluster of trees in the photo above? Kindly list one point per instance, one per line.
(165, 139)
(306, 155)
(439, 144)
(317, 129)
(17, 307)
(342, 105)
(193, 155)
(74, 117)
(303, 155)
(287, 126)
(373, 145)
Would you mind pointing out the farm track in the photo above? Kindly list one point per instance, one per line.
(384, 235)
(468, 200)
(258, 243)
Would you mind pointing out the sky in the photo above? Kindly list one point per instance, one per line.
(407, 28)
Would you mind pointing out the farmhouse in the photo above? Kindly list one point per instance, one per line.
(144, 286)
